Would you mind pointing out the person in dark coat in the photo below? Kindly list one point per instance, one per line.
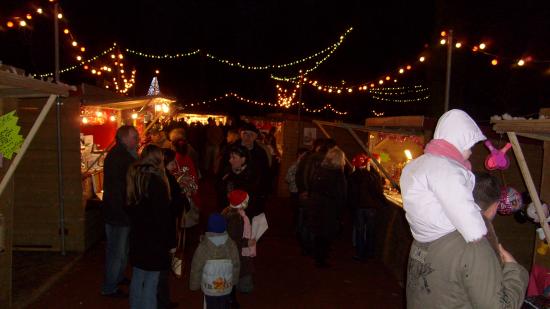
(304, 174)
(327, 195)
(365, 198)
(178, 203)
(258, 162)
(241, 176)
(117, 223)
(148, 195)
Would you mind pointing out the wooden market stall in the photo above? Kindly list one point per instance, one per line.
(32, 100)
(98, 118)
(387, 139)
(538, 130)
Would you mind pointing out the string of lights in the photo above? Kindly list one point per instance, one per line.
(76, 66)
(285, 100)
(330, 49)
(421, 99)
(301, 73)
(165, 56)
(327, 107)
(481, 48)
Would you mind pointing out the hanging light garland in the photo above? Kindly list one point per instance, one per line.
(327, 107)
(165, 56)
(76, 66)
(328, 50)
(285, 100)
(482, 48)
(421, 99)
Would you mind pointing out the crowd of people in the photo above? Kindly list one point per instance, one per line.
(151, 193)
(455, 259)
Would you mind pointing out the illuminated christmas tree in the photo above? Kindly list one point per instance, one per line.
(154, 88)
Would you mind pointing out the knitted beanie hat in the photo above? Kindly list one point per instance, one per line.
(238, 199)
(216, 223)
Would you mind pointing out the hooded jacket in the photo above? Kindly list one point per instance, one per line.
(437, 191)
(213, 246)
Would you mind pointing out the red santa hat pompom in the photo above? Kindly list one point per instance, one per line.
(238, 199)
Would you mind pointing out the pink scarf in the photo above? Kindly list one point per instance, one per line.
(441, 147)
(247, 234)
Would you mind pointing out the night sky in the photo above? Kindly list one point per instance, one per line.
(386, 35)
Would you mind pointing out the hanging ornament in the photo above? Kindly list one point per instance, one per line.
(497, 159)
(510, 201)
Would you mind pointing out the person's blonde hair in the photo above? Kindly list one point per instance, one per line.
(139, 175)
(335, 158)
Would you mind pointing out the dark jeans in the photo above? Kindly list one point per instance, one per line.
(305, 237)
(218, 302)
(116, 256)
(163, 290)
(364, 232)
(321, 246)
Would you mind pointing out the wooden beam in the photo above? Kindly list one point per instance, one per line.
(529, 182)
(28, 139)
(358, 140)
(538, 126)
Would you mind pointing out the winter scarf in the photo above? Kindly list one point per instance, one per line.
(442, 148)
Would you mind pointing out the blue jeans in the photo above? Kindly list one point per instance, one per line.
(116, 256)
(364, 228)
(143, 289)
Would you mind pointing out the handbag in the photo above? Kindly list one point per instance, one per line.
(190, 217)
(178, 257)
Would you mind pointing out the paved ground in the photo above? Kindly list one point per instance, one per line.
(284, 278)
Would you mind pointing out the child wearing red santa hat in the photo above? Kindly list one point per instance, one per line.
(239, 229)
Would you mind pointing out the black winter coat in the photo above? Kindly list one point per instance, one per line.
(116, 166)
(327, 193)
(150, 232)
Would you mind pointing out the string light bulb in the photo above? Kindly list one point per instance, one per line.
(59, 15)
(422, 59)
(74, 43)
(443, 33)
(22, 23)
(66, 31)
(39, 11)
(494, 62)
(78, 57)
(112, 118)
(134, 116)
(521, 62)
(10, 24)
(458, 45)
(401, 71)
(443, 42)
(482, 46)
(82, 49)
(29, 16)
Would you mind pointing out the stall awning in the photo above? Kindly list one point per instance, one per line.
(13, 85)
(128, 103)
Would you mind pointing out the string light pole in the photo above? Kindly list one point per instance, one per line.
(61, 198)
(300, 109)
(448, 71)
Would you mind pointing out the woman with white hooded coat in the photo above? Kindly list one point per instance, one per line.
(437, 186)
